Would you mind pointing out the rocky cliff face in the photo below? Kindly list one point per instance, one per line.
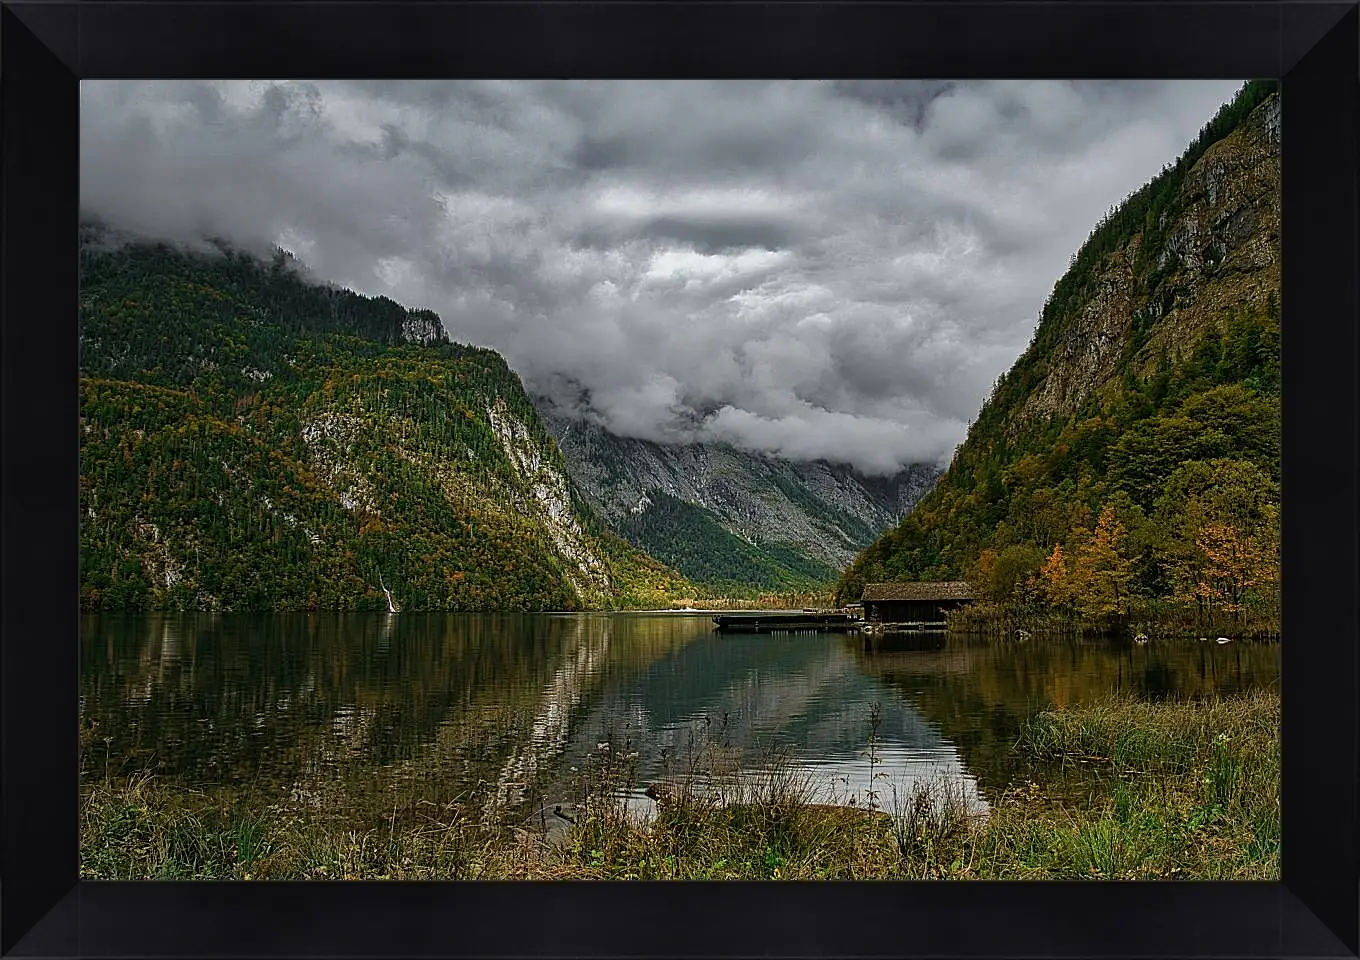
(1218, 253)
(826, 512)
(549, 502)
(1223, 252)
(423, 327)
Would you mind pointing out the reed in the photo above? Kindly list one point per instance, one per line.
(1155, 620)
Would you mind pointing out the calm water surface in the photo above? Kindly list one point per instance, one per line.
(504, 709)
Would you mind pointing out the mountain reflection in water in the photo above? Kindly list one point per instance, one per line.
(500, 708)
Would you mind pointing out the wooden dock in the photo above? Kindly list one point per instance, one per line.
(785, 621)
(910, 626)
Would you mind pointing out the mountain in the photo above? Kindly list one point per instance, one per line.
(254, 441)
(727, 517)
(1131, 454)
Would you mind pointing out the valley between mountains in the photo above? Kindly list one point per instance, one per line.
(252, 439)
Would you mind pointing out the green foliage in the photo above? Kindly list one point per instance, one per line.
(1021, 488)
(691, 540)
(249, 441)
(999, 576)
(833, 518)
(1050, 490)
(642, 582)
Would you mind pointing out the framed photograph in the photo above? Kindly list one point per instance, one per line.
(706, 449)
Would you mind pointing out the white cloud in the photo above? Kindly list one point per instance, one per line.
(817, 269)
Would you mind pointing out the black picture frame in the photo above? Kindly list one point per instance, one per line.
(47, 47)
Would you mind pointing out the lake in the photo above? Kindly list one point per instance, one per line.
(507, 709)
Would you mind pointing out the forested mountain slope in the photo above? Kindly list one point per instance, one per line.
(252, 441)
(730, 517)
(1131, 455)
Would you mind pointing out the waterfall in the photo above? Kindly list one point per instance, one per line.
(391, 607)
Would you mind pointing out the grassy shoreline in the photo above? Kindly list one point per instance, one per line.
(1154, 623)
(1119, 789)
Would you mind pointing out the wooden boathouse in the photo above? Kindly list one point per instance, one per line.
(920, 606)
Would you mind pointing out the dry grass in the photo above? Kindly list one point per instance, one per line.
(1166, 790)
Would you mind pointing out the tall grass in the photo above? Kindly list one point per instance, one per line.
(1182, 788)
(1123, 789)
(139, 828)
(1154, 619)
(1169, 737)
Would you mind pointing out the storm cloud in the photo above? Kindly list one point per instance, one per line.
(809, 269)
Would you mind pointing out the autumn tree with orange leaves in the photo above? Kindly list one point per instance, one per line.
(1102, 577)
(1054, 579)
(1223, 547)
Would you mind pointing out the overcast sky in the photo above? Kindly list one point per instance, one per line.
(812, 269)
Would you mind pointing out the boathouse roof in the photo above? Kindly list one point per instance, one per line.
(944, 590)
